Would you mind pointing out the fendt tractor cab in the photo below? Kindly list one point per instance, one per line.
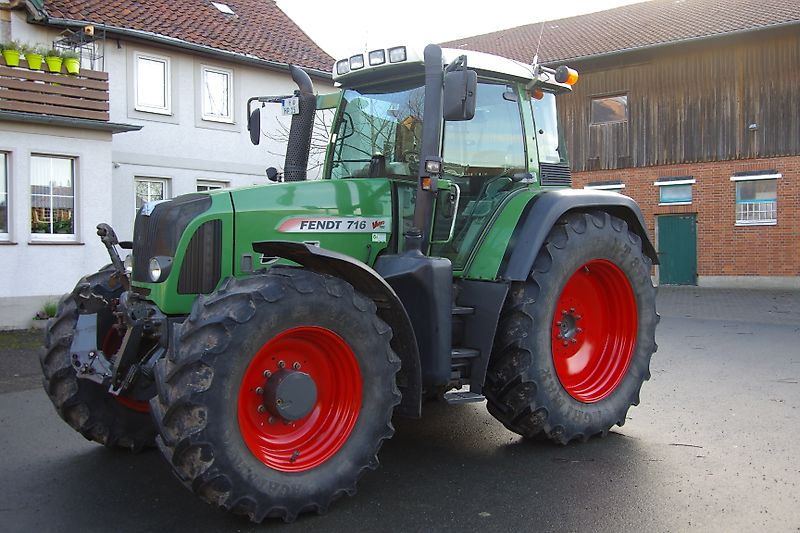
(264, 337)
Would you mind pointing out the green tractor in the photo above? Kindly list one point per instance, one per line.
(263, 338)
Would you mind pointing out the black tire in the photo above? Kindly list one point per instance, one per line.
(87, 406)
(200, 385)
(523, 386)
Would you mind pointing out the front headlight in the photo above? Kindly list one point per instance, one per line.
(159, 268)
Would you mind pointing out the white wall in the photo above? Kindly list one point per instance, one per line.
(180, 147)
(34, 272)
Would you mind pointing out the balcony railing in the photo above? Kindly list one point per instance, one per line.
(44, 93)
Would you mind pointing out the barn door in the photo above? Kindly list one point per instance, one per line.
(677, 249)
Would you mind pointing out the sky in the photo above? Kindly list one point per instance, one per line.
(349, 26)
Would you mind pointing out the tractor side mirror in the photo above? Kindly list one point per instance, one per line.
(272, 174)
(460, 87)
(254, 125)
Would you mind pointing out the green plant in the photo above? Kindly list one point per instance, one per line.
(70, 54)
(48, 310)
(11, 45)
(52, 53)
(33, 49)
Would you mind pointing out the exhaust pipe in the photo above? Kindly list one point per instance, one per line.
(296, 163)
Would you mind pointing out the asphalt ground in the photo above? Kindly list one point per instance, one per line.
(712, 447)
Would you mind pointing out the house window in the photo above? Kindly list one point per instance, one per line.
(52, 197)
(209, 185)
(675, 190)
(152, 81)
(3, 196)
(217, 88)
(756, 198)
(616, 186)
(609, 109)
(150, 190)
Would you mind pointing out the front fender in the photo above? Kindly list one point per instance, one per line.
(543, 212)
(373, 286)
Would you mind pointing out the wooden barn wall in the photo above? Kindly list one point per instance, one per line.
(695, 105)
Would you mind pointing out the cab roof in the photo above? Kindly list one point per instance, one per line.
(486, 64)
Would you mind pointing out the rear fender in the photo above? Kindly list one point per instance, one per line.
(372, 285)
(541, 214)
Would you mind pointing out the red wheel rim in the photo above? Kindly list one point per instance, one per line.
(111, 345)
(594, 331)
(303, 444)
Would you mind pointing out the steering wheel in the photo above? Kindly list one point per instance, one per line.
(411, 157)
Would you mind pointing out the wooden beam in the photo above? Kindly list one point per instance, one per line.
(49, 88)
(47, 99)
(10, 105)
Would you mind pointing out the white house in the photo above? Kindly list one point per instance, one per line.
(178, 75)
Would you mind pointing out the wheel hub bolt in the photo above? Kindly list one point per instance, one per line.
(267, 373)
(259, 391)
(574, 340)
(271, 419)
(281, 364)
(261, 408)
(579, 330)
(296, 366)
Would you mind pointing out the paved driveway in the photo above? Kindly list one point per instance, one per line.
(713, 447)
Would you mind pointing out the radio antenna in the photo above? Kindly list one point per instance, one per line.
(536, 55)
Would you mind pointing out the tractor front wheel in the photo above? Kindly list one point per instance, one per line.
(278, 393)
(574, 342)
(115, 421)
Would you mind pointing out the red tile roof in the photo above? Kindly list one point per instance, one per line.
(258, 28)
(633, 26)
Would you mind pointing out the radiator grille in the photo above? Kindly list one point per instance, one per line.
(201, 268)
(159, 233)
(555, 174)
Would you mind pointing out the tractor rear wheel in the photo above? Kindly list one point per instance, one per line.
(114, 421)
(574, 342)
(277, 394)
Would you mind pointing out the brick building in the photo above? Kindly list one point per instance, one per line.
(691, 108)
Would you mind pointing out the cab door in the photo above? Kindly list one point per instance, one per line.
(482, 161)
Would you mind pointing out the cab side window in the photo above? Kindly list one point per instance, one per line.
(492, 142)
(545, 119)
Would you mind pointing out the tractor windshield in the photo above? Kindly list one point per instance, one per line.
(378, 133)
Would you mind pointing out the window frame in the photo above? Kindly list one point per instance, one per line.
(229, 119)
(214, 185)
(605, 187)
(165, 181)
(593, 99)
(755, 177)
(55, 237)
(167, 110)
(672, 183)
(5, 236)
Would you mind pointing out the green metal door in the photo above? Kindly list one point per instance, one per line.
(677, 249)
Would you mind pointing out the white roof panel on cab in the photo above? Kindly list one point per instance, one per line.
(360, 68)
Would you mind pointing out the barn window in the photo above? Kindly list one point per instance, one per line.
(608, 109)
(756, 198)
(675, 190)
